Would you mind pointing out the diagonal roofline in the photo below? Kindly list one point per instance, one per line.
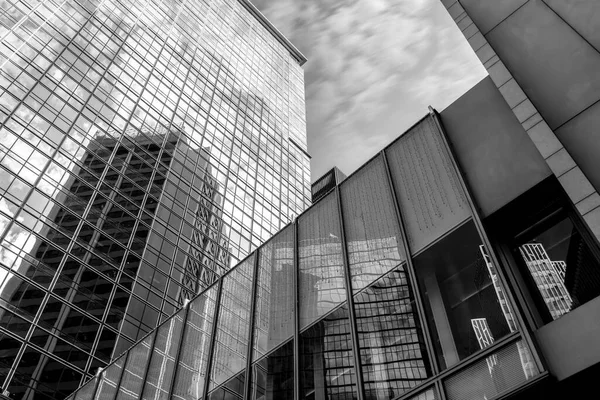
(298, 56)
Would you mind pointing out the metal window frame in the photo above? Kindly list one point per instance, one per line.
(211, 346)
(296, 346)
(521, 323)
(350, 300)
(252, 320)
(410, 270)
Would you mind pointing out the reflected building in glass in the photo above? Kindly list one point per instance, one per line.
(406, 281)
(145, 149)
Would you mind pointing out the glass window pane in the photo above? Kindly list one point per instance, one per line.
(231, 344)
(426, 184)
(505, 369)
(429, 394)
(561, 265)
(326, 363)
(371, 226)
(162, 362)
(463, 302)
(86, 391)
(107, 388)
(321, 280)
(135, 369)
(273, 375)
(392, 348)
(274, 316)
(191, 369)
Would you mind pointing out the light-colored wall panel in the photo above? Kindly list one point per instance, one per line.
(489, 13)
(498, 158)
(559, 71)
(582, 15)
(427, 187)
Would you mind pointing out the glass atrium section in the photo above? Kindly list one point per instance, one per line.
(145, 148)
(320, 331)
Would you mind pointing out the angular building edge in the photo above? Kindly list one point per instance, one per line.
(298, 56)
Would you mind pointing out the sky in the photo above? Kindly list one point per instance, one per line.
(374, 66)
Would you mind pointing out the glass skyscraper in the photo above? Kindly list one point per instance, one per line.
(145, 148)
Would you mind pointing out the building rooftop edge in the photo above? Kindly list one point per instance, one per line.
(274, 31)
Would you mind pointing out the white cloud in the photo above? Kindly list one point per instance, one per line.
(365, 59)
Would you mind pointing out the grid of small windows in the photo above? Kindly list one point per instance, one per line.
(145, 148)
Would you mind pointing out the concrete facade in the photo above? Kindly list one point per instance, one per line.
(544, 58)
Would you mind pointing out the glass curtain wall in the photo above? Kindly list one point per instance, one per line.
(367, 295)
(146, 147)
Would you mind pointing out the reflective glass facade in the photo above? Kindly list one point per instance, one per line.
(146, 147)
(363, 296)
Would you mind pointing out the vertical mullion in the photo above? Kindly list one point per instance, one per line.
(439, 388)
(483, 235)
(411, 270)
(96, 385)
(296, 350)
(254, 301)
(350, 300)
(213, 338)
(118, 385)
(178, 355)
(149, 360)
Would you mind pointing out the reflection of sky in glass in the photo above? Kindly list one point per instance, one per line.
(121, 69)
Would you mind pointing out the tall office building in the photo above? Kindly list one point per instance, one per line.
(145, 148)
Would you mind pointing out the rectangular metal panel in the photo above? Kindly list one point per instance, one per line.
(570, 344)
(499, 160)
(581, 138)
(488, 13)
(426, 185)
(582, 15)
(558, 70)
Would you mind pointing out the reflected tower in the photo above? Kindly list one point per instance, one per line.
(145, 148)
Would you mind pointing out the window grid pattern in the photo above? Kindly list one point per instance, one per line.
(394, 356)
(146, 146)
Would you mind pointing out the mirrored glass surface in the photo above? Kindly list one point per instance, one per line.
(560, 265)
(465, 303)
(275, 310)
(233, 326)
(392, 348)
(190, 372)
(326, 361)
(371, 227)
(135, 368)
(321, 284)
(159, 376)
(273, 375)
